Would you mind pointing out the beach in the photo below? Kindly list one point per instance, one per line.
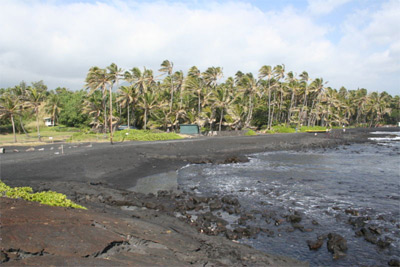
(120, 184)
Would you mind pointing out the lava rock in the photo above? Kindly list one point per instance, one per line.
(358, 221)
(315, 245)
(230, 200)
(294, 218)
(352, 212)
(215, 205)
(394, 262)
(337, 245)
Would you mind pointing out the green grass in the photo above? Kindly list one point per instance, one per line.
(286, 129)
(46, 197)
(125, 135)
(250, 132)
(58, 133)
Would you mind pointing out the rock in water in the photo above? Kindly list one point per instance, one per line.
(337, 244)
(315, 245)
(394, 262)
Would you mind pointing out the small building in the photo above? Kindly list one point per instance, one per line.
(189, 129)
(48, 122)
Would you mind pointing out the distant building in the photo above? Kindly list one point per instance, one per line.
(48, 122)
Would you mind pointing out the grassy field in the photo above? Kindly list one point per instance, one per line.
(47, 134)
(64, 134)
(125, 135)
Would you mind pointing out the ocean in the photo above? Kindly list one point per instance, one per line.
(328, 188)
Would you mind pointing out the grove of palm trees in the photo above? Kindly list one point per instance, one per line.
(137, 97)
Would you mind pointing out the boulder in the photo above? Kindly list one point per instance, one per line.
(337, 245)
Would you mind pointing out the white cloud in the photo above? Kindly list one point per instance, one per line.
(60, 42)
(323, 7)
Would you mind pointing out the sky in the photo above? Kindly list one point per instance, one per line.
(350, 43)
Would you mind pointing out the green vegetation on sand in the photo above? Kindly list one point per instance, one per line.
(126, 135)
(46, 197)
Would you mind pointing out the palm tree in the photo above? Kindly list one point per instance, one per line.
(196, 85)
(167, 68)
(93, 106)
(97, 79)
(34, 100)
(113, 75)
(149, 101)
(126, 97)
(249, 86)
(9, 107)
(266, 71)
(53, 106)
(304, 78)
(142, 80)
(221, 99)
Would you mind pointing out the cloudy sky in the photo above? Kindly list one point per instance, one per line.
(351, 43)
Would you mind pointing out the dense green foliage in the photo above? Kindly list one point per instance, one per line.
(46, 197)
(274, 99)
(71, 105)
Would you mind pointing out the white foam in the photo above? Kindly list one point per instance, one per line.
(390, 133)
(385, 139)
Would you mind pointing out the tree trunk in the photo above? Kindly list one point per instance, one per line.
(291, 106)
(37, 122)
(220, 120)
(145, 118)
(105, 115)
(172, 94)
(128, 116)
(199, 103)
(111, 128)
(13, 125)
(22, 126)
(269, 105)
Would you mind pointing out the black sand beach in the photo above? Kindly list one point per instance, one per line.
(98, 176)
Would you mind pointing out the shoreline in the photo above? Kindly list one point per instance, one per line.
(122, 164)
(96, 178)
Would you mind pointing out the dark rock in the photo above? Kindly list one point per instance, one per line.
(352, 212)
(337, 245)
(231, 235)
(237, 210)
(315, 245)
(215, 205)
(228, 209)
(150, 205)
(358, 222)
(394, 262)
(314, 222)
(190, 205)
(279, 221)
(242, 221)
(230, 200)
(163, 193)
(294, 218)
(375, 230)
(3, 257)
(251, 231)
(235, 159)
(298, 226)
(383, 243)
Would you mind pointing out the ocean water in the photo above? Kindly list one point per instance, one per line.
(325, 186)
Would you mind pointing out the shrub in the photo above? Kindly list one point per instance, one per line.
(46, 197)
(250, 132)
